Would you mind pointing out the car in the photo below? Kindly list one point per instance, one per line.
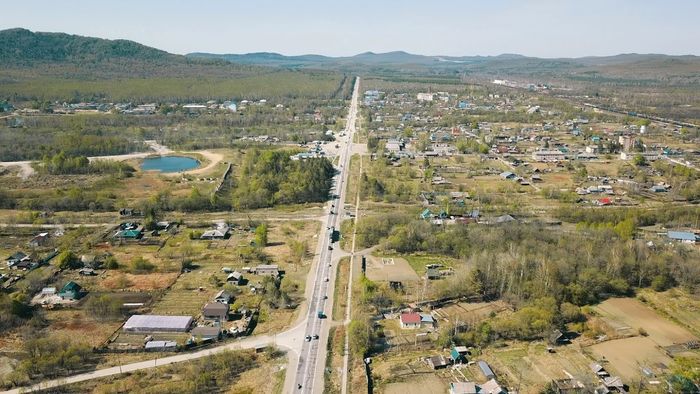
(308, 338)
(325, 297)
(315, 336)
(325, 280)
(330, 265)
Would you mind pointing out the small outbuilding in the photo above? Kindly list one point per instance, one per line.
(160, 346)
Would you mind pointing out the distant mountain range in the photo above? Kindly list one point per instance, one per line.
(64, 55)
(401, 57)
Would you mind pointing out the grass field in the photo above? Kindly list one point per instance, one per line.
(390, 269)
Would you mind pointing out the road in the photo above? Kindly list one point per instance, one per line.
(306, 359)
(312, 358)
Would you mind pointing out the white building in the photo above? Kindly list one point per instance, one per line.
(548, 155)
(425, 96)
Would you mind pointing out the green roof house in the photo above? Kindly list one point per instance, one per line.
(129, 234)
(71, 291)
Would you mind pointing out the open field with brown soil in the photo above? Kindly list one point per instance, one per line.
(626, 356)
(630, 312)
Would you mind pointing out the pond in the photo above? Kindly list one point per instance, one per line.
(169, 163)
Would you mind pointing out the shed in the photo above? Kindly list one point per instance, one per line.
(437, 362)
(158, 323)
(267, 269)
(432, 273)
(206, 333)
(491, 387)
(486, 370)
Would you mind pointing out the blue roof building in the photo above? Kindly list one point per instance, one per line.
(683, 236)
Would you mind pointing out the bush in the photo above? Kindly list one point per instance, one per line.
(141, 265)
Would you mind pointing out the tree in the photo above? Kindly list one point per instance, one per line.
(639, 160)
(261, 235)
(67, 260)
(359, 337)
(103, 307)
(140, 265)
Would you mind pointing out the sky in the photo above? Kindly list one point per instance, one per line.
(542, 28)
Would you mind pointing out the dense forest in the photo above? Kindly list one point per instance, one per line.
(34, 144)
(62, 164)
(271, 177)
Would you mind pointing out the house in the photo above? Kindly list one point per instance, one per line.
(220, 232)
(267, 270)
(15, 258)
(410, 320)
(463, 388)
(157, 323)
(683, 236)
(40, 239)
(605, 201)
(459, 354)
(26, 264)
(205, 333)
(235, 277)
(426, 214)
(215, 311)
(71, 291)
(507, 175)
(130, 233)
(87, 272)
(614, 384)
(223, 297)
(558, 338)
(491, 387)
(160, 346)
(568, 386)
(437, 362)
(648, 156)
(486, 370)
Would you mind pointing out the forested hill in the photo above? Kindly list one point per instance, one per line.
(66, 55)
(21, 46)
(39, 67)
